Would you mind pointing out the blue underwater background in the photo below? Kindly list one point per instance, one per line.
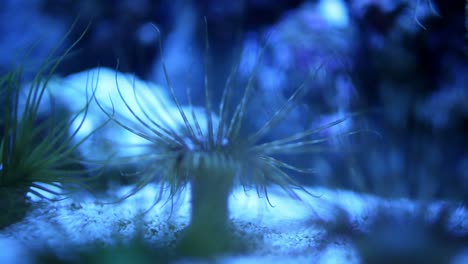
(401, 65)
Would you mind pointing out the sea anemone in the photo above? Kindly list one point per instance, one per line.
(208, 148)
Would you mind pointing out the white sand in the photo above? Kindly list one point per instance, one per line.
(290, 232)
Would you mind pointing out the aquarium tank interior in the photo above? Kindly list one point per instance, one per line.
(252, 131)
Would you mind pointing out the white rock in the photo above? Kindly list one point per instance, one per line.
(141, 106)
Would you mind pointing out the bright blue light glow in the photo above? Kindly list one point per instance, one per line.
(334, 11)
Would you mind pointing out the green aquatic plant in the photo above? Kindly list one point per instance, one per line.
(210, 150)
(37, 155)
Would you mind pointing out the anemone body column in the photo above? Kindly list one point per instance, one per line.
(212, 182)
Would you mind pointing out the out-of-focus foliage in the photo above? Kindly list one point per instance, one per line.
(36, 156)
(413, 233)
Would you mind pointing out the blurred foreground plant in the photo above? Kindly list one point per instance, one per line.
(36, 156)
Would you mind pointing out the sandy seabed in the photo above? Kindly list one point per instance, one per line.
(289, 231)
